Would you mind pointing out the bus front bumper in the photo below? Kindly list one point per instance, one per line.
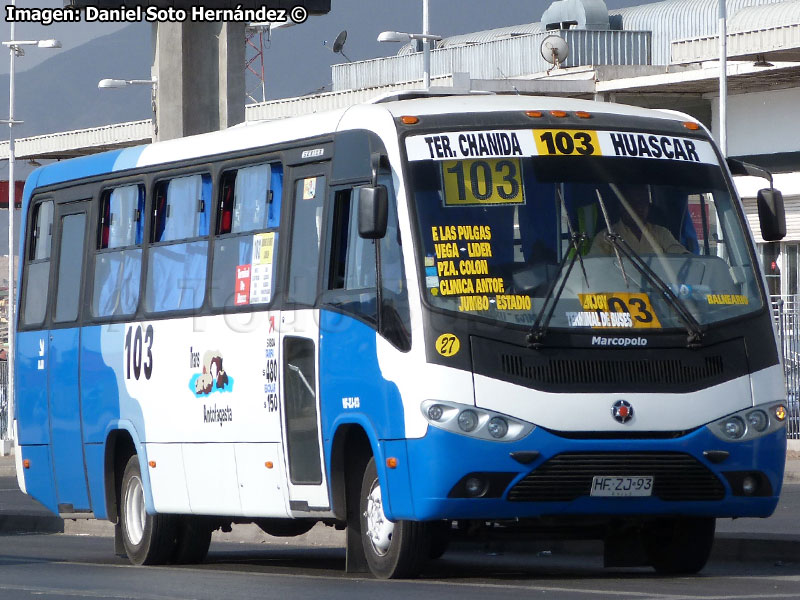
(694, 475)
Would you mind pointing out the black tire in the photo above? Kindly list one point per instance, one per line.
(679, 546)
(403, 552)
(193, 537)
(148, 539)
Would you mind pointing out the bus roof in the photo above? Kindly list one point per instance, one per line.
(260, 133)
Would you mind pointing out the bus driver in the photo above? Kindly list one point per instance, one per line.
(643, 237)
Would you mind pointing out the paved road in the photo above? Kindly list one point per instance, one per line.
(60, 567)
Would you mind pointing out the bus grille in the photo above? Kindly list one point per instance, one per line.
(566, 477)
(603, 371)
(615, 370)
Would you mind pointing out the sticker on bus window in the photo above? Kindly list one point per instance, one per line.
(491, 181)
(242, 293)
(615, 310)
(309, 188)
(727, 299)
(261, 268)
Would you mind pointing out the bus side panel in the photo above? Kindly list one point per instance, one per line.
(103, 401)
(39, 475)
(95, 470)
(351, 381)
(100, 383)
(31, 366)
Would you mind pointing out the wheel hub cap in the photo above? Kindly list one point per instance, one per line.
(379, 528)
(135, 514)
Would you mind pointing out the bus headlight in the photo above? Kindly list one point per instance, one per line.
(474, 422)
(750, 423)
(734, 428)
(467, 420)
(758, 420)
(498, 427)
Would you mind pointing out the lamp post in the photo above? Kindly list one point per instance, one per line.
(112, 84)
(723, 78)
(425, 36)
(15, 48)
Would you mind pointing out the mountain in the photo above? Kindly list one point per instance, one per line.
(60, 94)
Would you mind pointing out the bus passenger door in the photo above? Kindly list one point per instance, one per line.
(64, 355)
(299, 333)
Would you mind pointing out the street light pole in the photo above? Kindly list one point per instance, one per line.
(12, 193)
(723, 78)
(14, 50)
(426, 46)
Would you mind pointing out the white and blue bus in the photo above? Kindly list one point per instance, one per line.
(404, 318)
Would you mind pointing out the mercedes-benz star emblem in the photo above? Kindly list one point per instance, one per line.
(622, 411)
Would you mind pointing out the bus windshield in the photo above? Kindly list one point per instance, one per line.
(615, 230)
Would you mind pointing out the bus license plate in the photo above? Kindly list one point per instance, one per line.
(603, 485)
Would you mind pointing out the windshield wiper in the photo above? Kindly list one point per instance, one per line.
(693, 328)
(619, 244)
(539, 329)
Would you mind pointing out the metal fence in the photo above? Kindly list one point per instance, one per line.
(786, 310)
(4, 432)
(515, 56)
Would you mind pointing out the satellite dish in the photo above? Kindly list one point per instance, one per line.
(555, 50)
(338, 44)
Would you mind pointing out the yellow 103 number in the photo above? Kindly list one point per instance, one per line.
(566, 142)
(478, 182)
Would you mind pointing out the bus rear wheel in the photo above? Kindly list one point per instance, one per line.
(679, 546)
(393, 549)
(148, 539)
(193, 538)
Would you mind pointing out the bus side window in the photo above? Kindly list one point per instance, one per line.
(37, 277)
(118, 262)
(352, 273)
(176, 264)
(248, 206)
(395, 312)
(306, 233)
(351, 268)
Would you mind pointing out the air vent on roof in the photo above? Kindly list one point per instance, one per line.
(581, 14)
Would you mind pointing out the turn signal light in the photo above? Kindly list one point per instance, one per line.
(409, 120)
(391, 462)
(26, 463)
(152, 464)
(691, 125)
(269, 464)
(780, 412)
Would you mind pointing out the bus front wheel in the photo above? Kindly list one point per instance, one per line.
(679, 546)
(393, 549)
(148, 539)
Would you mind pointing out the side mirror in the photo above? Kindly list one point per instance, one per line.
(771, 214)
(373, 211)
